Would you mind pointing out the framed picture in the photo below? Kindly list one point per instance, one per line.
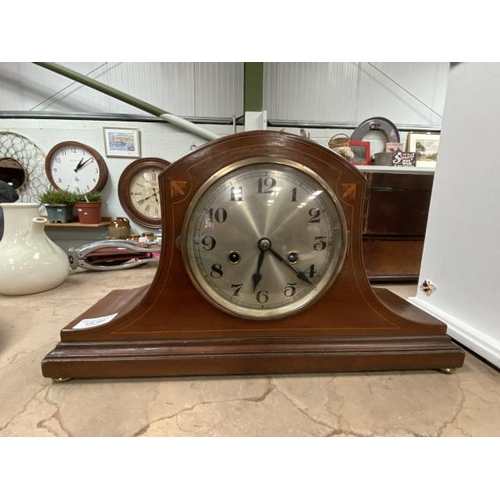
(122, 142)
(361, 150)
(425, 146)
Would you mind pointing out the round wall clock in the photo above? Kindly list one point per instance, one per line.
(264, 239)
(139, 192)
(76, 167)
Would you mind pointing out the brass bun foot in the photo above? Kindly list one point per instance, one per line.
(61, 380)
(448, 371)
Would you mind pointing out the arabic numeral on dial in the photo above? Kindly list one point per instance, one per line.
(262, 296)
(265, 185)
(236, 194)
(311, 271)
(208, 243)
(315, 214)
(290, 289)
(216, 272)
(219, 215)
(96, 171)
(320, 243)
(236, 287)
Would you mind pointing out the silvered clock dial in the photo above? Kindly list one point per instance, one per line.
(263, 239)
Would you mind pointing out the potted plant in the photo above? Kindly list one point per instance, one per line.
(59, 204)
(88, 207)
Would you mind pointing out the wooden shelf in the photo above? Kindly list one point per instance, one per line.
(105, 221)
(75, 224)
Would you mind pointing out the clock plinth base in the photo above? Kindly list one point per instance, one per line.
(151, 358)
(231, 353)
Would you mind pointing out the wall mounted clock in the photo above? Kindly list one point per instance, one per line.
(76, 167)
(261, 271)
(139, 191)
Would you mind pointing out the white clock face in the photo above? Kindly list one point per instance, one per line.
(264, 240)
(75, 169)
(145, 192)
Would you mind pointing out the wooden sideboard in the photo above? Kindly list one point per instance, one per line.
(395, 219)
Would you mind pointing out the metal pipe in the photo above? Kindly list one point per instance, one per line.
(127, 98)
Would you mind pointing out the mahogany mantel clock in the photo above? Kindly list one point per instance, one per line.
(261, 271)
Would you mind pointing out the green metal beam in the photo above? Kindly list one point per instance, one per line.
(254, 83)
(133, 101)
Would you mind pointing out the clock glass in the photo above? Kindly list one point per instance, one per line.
(144, 192)
(139, 191)
(264, 238)
(76, 167)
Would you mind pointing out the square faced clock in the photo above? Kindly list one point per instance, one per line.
(261, 272)
(76, 167)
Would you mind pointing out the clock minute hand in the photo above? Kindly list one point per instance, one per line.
(256, 277)
(299, 274)
(81, 165)
(147, 197)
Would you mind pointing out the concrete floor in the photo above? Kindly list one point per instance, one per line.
(416, 403)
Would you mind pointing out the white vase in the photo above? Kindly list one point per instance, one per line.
(30, 262)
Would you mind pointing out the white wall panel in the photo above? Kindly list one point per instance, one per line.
(350, 92)
(182, 88)
(462, 245)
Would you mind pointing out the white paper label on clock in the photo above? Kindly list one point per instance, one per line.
(92, 322)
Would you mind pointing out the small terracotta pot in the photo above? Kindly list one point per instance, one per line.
(88, 212)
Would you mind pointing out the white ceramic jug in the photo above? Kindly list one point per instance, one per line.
(30, 262)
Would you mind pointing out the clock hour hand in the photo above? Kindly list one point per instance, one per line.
(299, 274)
(78, 166)
(81, 165)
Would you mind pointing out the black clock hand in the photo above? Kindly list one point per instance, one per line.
(299, 274)
(264, 244)
(147, 197)
(256, 277)
(81, 165)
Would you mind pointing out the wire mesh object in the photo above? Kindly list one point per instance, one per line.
(31, 158)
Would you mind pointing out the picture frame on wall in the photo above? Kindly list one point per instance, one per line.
(426, 146)
(122, 142)
(361, 150)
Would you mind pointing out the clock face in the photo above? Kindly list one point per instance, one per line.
(75, 167)
(139, 193)
(264, 239)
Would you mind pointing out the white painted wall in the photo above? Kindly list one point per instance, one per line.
(462, 246)
(158, 139)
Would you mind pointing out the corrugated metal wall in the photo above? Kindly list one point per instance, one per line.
(408, 94)
(343, 93)
(195, 89)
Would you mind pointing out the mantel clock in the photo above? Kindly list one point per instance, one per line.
(261, 271)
